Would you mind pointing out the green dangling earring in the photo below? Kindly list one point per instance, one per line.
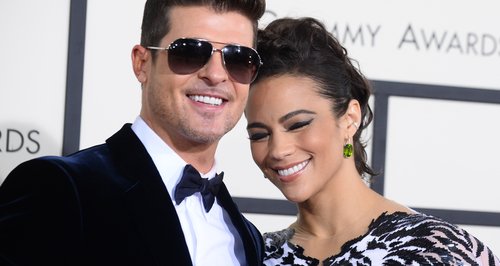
(347, 151)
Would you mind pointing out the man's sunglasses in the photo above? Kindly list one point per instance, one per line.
(186, 56)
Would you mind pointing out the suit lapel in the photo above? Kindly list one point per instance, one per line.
(148, 199)
(252, 240)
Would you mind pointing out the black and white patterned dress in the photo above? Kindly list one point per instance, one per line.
(392, 239)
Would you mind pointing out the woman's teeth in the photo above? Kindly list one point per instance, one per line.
(293, 170)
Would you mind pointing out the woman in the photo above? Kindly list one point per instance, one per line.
(306, 112)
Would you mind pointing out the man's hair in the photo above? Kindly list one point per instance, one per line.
(156, 18)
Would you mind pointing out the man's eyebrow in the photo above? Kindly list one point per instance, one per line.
(294, 113)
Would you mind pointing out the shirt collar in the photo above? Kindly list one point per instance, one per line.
(169, 164)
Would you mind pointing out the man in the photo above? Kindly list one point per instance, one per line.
(123, 202)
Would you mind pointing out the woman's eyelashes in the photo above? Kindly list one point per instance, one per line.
(257, 136)
(294, 126)
(299, 124)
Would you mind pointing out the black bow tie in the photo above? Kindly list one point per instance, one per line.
(191, 182)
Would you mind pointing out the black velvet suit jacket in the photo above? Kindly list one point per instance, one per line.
(106, 205)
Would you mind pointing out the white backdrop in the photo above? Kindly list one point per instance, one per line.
(33, 52)
(440, 154)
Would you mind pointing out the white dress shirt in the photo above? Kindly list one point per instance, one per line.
(211, 237)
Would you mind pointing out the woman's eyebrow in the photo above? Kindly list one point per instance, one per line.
(294, 113)
(282, 119)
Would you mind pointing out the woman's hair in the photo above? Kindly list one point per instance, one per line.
(303, 47)
(156, 18)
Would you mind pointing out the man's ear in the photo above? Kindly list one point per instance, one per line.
(140, 58)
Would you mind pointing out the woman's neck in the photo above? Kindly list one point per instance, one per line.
(335, 216)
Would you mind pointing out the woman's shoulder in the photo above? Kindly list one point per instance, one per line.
(431, 236)
(278, 238)
(279, 251)
(420, 222)
(416, 224)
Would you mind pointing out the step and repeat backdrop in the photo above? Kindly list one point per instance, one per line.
(66, 83)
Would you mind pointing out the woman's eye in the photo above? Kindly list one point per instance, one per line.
(257, 136)
(300, 124)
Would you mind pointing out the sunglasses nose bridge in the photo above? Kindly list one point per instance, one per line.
(213, 64)
(221, 51)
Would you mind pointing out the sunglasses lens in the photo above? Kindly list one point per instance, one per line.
(242, 63)
(186, 56)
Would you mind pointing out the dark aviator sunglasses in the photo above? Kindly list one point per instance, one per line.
(187, 55)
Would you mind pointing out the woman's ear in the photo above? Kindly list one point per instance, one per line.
(140, 58)
(353, 117)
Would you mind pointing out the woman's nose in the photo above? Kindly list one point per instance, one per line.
(280, 147)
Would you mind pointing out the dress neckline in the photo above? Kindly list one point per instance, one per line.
(299, 250)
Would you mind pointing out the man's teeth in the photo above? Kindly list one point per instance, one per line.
(206, 99)
(292, 170)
